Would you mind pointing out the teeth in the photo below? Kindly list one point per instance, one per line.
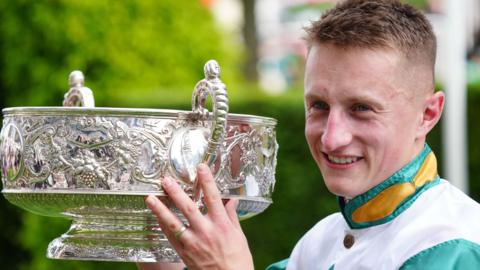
(342, 160)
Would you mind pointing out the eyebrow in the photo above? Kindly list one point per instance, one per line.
(369, 99)
(311, 96)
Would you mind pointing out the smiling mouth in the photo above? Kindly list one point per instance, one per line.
(341, 160)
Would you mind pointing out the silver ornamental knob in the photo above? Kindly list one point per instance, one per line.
(78, 95)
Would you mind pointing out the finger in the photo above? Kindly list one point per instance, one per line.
(188, 208)
(212, 198)
(160, 265)
(231, 207)
(168, 221)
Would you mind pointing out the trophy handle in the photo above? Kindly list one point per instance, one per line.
(212, 85)
(189, 146)
(78, 95)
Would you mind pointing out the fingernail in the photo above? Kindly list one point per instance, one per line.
(202, 168)
(151, 201)
(167, 181)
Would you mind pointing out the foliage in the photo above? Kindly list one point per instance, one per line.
(473, 111)
(119, 45)
(422, 4)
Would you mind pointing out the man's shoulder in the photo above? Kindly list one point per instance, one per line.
(453, 254)
(453, 192)
(447, 204)
(443, 214)
(442, 208)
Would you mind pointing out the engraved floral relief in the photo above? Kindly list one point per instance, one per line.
(90, 153)
(248, 160)
(126, 153)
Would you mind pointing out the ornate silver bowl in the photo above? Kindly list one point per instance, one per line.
(96, 165)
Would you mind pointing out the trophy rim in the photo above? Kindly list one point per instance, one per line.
(131, 112)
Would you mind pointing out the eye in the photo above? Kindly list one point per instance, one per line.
(319, 105)
(361, 108)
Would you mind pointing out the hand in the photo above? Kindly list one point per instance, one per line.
(211, 241)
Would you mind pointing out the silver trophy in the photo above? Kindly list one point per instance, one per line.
(96, 165)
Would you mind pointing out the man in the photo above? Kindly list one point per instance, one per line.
(370, 102)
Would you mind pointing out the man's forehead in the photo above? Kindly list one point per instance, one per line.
(355, 48)
(353, 94)
(324, 58)
(363, 72)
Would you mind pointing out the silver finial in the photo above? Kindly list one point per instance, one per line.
(76, 79)
(78, 95)
(212, 70)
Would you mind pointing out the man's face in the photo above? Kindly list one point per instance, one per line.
(361, 121)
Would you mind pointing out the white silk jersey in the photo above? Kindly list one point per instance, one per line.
(412, 220)
(441, 215)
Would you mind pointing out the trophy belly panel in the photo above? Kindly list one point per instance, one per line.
(131, 154)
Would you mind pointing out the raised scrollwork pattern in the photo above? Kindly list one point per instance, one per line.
(248, 154)
(126, 153)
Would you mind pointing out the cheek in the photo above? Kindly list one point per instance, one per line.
(313, 136)
(366, 132)
(313, 131)
(385, 147)
(391, 160)
(375, 140)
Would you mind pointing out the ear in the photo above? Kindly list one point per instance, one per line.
(432, 111)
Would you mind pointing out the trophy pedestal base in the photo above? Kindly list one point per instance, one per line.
(113, 240)
(112, 227)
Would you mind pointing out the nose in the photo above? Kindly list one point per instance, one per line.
(336, 133)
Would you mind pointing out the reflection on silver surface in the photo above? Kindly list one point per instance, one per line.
(11, 156)
(96, 165)
(187, 149)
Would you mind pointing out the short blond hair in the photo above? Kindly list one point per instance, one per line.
(377, 24)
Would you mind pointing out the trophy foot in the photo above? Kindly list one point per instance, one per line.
(113, 240)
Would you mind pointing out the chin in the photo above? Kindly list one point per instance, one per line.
(339, 189)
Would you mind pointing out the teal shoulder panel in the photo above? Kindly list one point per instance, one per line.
(281, 265)
(454, 254)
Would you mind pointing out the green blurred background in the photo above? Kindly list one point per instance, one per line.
(150, 54)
